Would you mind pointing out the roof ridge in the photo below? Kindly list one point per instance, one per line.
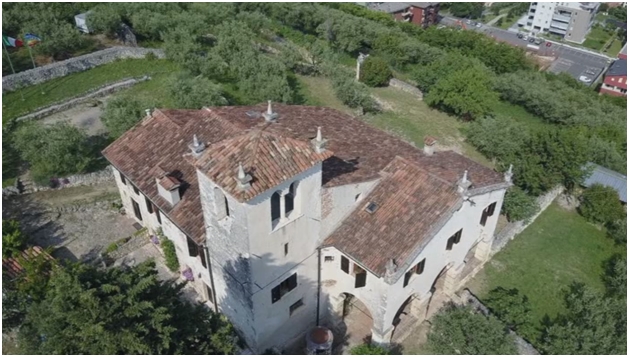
(417, 166)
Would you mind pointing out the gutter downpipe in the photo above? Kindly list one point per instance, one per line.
(318, 282)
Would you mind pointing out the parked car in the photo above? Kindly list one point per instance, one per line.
(525, 38)
(478, 24)
(468, 21)
(532, 39)
(520, 35)
(548, 44)
(539, 41)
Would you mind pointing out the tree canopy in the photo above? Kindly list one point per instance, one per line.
(121, 311)
(600, 204)
(197, 92)
(458, 330)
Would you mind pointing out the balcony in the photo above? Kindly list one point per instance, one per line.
(557, 31)
(559, 25)
(561, 18)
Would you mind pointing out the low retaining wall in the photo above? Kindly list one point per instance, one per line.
(93, 178)
(514, 228)
(73, 65)
(94, 93)
(523, 347)
(406, 87)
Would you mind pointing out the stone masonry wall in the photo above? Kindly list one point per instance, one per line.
(73, 65)
(90, 179)
(514, 228)
(406, 87)
(94, 93)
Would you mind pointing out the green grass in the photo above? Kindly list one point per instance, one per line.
(558, 248)
(519, 114)
(404, 115)
(597, 38)
(615, 47)
(75, 84)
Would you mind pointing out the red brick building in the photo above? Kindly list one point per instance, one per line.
(419, 13)
(623, 52)
(615, 82)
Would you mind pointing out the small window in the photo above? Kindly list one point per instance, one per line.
(210, 295)
(345, 264)
(283, 288)
(286, 249)
(487, 212)
(193, 248)
(295, 306)
(407, 277)
(202, 256)
(226, 206)
(371, 207)
(357, 197)
(455, 239)
(158, 215)
(328, 258)
(361, 277)
(417, 269)
(420, 267)
(221, 204)
(491, 209)
(275, 208)
(136, 209)
(149, 205)
(135, 189)
(122, 178)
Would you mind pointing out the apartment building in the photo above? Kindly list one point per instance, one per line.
(570, 20)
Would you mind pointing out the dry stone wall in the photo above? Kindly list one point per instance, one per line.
(73, 65)
(406, 87)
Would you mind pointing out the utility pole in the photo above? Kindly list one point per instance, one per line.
(359, 61)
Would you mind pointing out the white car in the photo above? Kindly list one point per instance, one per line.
(478, 24)
(585, 79)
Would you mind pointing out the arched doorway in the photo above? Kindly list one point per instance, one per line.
(356, 318)
(405, 318)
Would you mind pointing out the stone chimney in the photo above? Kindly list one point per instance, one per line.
(509, 174)
(196, 147)
(464, 183)
(391, 267)
(319, 142)
(168, 188)
(429, 145)
(244, 180)
(148, 112)
(269, 116)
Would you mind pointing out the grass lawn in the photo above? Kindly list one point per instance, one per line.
(404, 116)
(615, 47)
(62, 88)
(597, 38)
(558, 248)
(519, 114)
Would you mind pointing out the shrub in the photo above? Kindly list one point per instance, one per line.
(600, 204)
(53, 150)
(111, 248)
(518, 205)
(367, 349)
(169, 253)
(122, 113)
(351, 93)
(375, 72)
(13, 239)
(617, 230)
(150, 56)
(512, 308)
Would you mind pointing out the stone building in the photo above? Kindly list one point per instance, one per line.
(284, 215)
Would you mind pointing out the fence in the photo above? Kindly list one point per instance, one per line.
(73, 65)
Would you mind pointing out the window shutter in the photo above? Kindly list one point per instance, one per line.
(202, 255)
(361, 280)
(292, 282)
(159, 217)
(275, 206)
(149, 205)
(457, 236)
(193, 248)
(275, 294)
(122, 178)
(226, 206)
(483, 218)
(407, 277)
(136, 210)
(420, 266)
(345, 264)
(450, 243)
(491, 209)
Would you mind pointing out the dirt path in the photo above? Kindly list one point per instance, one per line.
(85, 116)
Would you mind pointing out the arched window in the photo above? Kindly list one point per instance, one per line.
(275, 208)
(220, 203)
(289, 199)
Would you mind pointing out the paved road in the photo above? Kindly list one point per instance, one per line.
(573, 60)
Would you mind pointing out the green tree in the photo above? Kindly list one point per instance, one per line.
(122, 113)
(352, 93)
(105, 18)
(615, 277)
(617, 230)
(13, 240)
(518, 205)
(368, 349)
(121, 311)
(197, 92)
(375, 72)
(498, 137)
(593, 324)
(473, 10)
(466, 93)
(59, 38)
(600, 204)
(53, 150)
(512, 308)
(10, 156)
(458, 330)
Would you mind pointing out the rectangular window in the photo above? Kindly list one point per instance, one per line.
(345, 264)
(193, 248)
(407, 277)
(487, 212)
(361, 277)
(456, 238)
(328, 258)
(491, 209)
(122, 179)
(450, 243)
(149, 205)
(158, 215)
(135, 189)
(295, 306)
(286, 249)
(283, 288)
(136, 209)
(420, 267)
(210, 296)
(202, 256)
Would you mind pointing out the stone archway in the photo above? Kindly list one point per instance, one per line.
(406, 318)
(356, 321)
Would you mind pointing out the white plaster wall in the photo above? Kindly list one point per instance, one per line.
(339, 202)
(543, 15)
(384, 300)
(149, 220)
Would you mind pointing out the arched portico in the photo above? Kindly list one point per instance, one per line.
(356, 320)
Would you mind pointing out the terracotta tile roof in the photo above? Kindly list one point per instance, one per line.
(270, 160)
(169, 182)
(12, 267)
(156, 147)
(410, 201)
